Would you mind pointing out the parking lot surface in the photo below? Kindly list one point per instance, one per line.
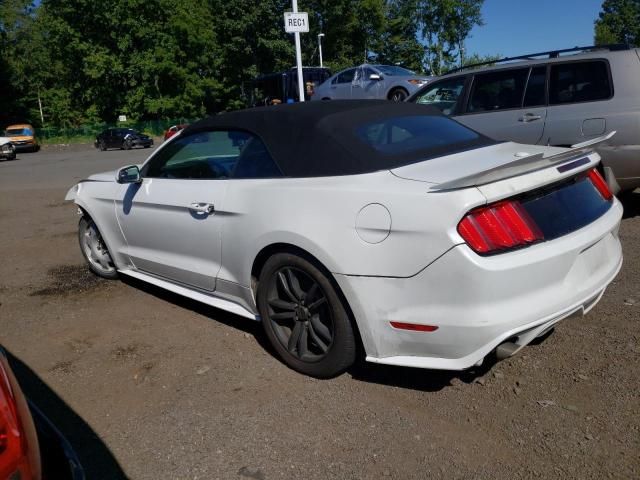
(147, 385)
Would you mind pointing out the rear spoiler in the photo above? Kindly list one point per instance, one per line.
(524, 165)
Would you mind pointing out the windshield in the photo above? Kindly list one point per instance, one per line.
(393, 70)
(15, 132)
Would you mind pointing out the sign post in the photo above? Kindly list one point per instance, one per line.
(296, 22)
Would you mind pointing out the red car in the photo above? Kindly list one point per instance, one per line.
(171, 131)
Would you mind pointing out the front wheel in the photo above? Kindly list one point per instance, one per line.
(102, 146)
(94, 249)
(398, 95)
(304, 318)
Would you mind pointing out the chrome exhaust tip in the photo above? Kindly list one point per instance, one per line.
(506, 349)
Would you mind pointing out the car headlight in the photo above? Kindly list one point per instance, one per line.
(417, 81)
(7, 148)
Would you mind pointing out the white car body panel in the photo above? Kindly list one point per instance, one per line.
(419, 270)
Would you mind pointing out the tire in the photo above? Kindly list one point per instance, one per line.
(398, 95)
(326, 99)
(126, 145)
(94, 250)
(297, 300)
(102, 146)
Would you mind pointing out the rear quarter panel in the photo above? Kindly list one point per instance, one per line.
(319, 216)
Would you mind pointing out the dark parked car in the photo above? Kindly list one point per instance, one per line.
(282, 87)
(31, 448)
(122, 138)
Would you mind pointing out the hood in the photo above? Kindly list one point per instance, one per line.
(4, 140)
(462, 165)
(109, 176)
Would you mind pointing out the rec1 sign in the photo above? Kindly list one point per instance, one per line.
(296, 22)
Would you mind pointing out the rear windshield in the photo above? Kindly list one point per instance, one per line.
(14, 132)
(405, 135)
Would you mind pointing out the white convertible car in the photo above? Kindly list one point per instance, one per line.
(349, 223)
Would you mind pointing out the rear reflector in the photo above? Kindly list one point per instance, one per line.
(414, 327)
(500, 226)
(600, 184)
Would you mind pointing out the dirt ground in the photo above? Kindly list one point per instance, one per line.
(147, 385)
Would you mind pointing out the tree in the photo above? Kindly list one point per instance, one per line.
(618, 22)
(444, 26)
(400, 44)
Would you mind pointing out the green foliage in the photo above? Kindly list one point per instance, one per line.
(87, 62)
(444, 25)
(618, 22)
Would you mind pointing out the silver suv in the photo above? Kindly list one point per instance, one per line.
(567, 97)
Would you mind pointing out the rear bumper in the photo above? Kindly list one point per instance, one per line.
(25, 147)
(142, 143)
(480, 302)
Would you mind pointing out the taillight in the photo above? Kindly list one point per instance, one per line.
(600, 184)
(19, 453)
(497, 227)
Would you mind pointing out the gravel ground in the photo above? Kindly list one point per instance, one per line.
(147, 385)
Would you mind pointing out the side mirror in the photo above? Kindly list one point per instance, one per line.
(375, 76)
(130, 174)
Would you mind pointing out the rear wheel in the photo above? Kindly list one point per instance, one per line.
(94, 249)
(398, 95)
(304, 318)
(102, 146)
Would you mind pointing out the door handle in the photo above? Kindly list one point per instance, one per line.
(529, 117)
(355, 85)
(202, 207)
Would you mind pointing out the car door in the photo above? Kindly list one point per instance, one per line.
(115, 141)
(341, 85)
(579, 94)
(363, 87)
(508, 105)
(106, 137)
(172, 221)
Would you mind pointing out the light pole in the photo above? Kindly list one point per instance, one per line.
(320, 35)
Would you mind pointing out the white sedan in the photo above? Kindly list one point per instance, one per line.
(347, 223)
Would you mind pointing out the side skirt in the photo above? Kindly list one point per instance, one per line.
(212, 300)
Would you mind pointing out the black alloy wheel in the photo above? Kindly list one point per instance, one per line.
(398, 95)
(304, 318)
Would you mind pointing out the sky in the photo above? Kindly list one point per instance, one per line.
(518, 27)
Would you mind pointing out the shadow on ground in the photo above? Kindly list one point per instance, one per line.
(96, 458)
(403, 377)
(631, 203)
(236, 321)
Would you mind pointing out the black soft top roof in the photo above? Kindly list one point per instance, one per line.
(314, 139)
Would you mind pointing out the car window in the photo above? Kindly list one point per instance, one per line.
(497, 90)
(401, 135)
(579, 82)
(346, 76)
(213, 155)
(13, 132)
(443, 95)
(535, 93)
(255, 161)
(394, 70)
